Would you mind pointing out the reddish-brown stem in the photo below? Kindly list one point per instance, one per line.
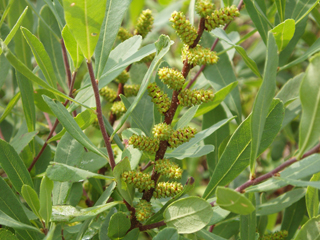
(54, 125)
(99, 114)
(211, 228)
(88, 200)
(200, 31)
(146, 166)
(1, 135)
(151, 226)
(134, 222)
(66, 62)
(276, 170)
(46, 115)
(212, 48)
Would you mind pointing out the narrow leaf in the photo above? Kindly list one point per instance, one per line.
(10, 106)
(310, 230)
(10, 222)
(312, 198)
(45, 210)
(31, 198)
(281, 6)
(248, 222)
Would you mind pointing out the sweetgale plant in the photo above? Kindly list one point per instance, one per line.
(159, 120)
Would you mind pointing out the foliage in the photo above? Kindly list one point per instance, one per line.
(159, 120)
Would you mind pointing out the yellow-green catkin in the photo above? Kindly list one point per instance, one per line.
(167, 189)
(131, 90)
(148, 58)
(199, 55)
(162, 131)
(173, 78)
(275, 236)
(168, 168)
(123, 77)
(118, 108)
(204, 8)
(143, 210)
(141, 181)
(124, 34)
(144, 23)
(190, 98)
(159, 98)
(221, 17)
(95, 124)
(181, 136)
(108, 94)
(144, 143)
(186, 32)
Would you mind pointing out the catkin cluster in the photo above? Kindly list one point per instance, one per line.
(123, 77)
(144, 23)
(141, 181)
(281, 235)
(221, 17)
(162, 131)
(204, 7)
(167, 189)
(118, 109)
(190, 98)
(124, 34)
(144, 143)
(108, 94)
(168, 168)
(143, 210)
(131, 90)
(199, 55)
(173, 78)
(181, 136)
(159, 98)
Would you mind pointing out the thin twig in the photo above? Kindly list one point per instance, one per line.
(212, 48)
(100, 117)
(276, 170)
(1, 135)
(146, 166)
(66, 62)
(46, 115)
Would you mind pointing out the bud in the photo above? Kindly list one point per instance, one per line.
(118, 109)
(148, 59)
(95, 124)
(108, 94)
(174, 79)
(123, 34)
(275, 236)
(159, 98)
(189, 98)
(221, 17)
(144, 143)
(143, 210)
(204, 8)
(123, 77)
(167, 189)
(168, 168)
(199, 55)
(162, 131)
(144, 23)
(141, 181)
(186, 32)
(131, 90)
(181, 136)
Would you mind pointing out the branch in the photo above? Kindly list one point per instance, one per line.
(276, 170)
(99, 113)
(212, 48)
(66, 62)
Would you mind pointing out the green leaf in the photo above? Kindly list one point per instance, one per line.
(112, 20)
(135, 10)
(248, 222)
(10, 106)
(263, 100)
(132, 235)
(186, 117)
(12, 207)
(168, 234)
(299, 170)
(50, 234)
(53, 8)
(312, 198)
(46, 188)
(19, 142)
(10, 222)
(293, 216)
(83, 119)
(92, 162)
(103, 232)
(71, 214)
(71, 126)
(259, 21)
(41, 56)
(84, 19)
(188, 215)
(31, 198)
(218, 215)
(14, 167)
(281, 6)
(290, 90)
(52, 45)
(236, 155)
(125, 190)
(278, 204)
(62, 173)
(283, 33)
(180, 151)
(310, 100)
(219, 96)
(72, 47)
(5, 234)
(208, 235)
(118, 226)
(299, 9)
(233, 201)
(163, 48)
(310, 230)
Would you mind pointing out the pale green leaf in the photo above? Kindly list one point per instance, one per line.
(31, 198)
(45, 210)
(283, 33)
